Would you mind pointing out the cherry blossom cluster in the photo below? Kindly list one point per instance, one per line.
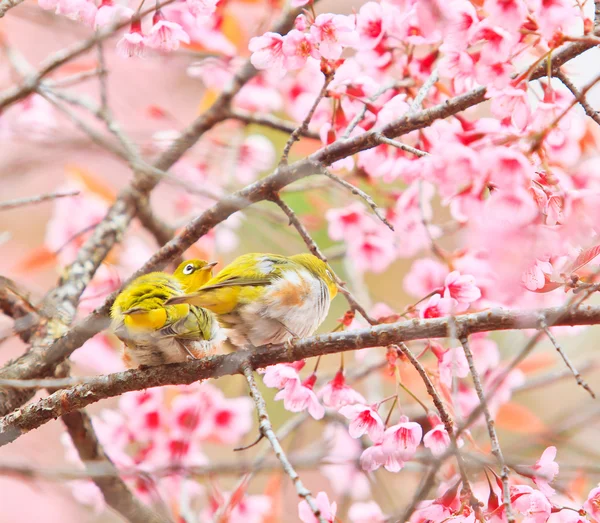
(163, 431)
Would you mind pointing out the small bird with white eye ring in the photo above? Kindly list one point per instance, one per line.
(262, 299)
(153, 331)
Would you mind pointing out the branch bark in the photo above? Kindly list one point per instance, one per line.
(68, 400)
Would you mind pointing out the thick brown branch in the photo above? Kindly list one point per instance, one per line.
(116, 493)
(101, 387)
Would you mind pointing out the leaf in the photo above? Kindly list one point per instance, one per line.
(37, 258)
(537, 362)
(585, 257)
(518, 418)
(91, 182)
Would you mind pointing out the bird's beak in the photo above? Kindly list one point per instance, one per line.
(209, 266)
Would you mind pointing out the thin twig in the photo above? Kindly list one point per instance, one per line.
(448, 424)
(580, 381)
(361, 194)
(399, 145)
(5, 5)
(267, 429)
(267, 120)
(20, 202)
(496, 450)
(589, 110)
(303, 127)
(422, 93)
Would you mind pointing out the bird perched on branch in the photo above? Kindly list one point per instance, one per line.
(153, 331)
(262, 299)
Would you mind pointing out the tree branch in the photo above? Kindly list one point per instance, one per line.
(20, 202)
(101, 387)
(267, 430)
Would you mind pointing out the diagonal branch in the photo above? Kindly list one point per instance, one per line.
(20, 202)
(496, 450)
(580, 97)
(267, 430)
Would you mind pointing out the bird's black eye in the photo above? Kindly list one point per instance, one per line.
(188, 269)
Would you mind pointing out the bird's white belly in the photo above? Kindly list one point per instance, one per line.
(293, 306)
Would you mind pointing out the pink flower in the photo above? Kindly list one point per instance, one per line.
(374, 457)
(592, 504)
(452, 363)
(401, 440)
(337, 394)
(373, 251)
(202, 7)
(425, 276)
(546, 470)
(512, 103)
(367, 512)
(326, 508)
(536, 276)
(251, 509)
(437, 307)
(108, 13)
(232, 419)
(462, 289)
(297, 48)
(80, 10)
(132, 43)
(267, 51)
(364, 420)
(369, 24)
(333, 33)
(531, 503)
(255, 155)
(165, 35)
(347, 222)
(509, 14)
(437, 439)
(298, 396)
(278, 376)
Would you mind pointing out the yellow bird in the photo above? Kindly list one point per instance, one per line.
(262, 299)
(153, 331)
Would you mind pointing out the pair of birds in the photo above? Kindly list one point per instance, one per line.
(258, 299)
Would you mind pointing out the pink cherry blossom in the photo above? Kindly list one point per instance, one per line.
(425, 276)
(437, 439)
(530, 503)
(333, 33)
(278, 376)
(592, 504)
(509, 14)
(132, 43)
(374, 250)
(298, 396)
(326, 508)
(347, 222)
(364, 420)
(202, 8)
(337, 394)
(267, 51)
(297, 48)
(546, 470)
(110, 13)
(374, 457)
(368, 512)
(232, 419)
(401, 440)
(453, 363)
(255, 155)
(437, 307)
(369, 24)
(462, 288)
(164, 35)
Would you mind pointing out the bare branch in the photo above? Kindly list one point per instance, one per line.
(399, 145)
(267, 120)
(361, 194)
(20, 202)
(303, 127)
(5, 5)
(448, 425)
(267, 430)
(423, 91)
(101, 387)
(580, 97)
(116, 493)
(565, 358)
(496, 450)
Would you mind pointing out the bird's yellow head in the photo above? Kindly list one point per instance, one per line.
(319, 268)
(193, 274)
